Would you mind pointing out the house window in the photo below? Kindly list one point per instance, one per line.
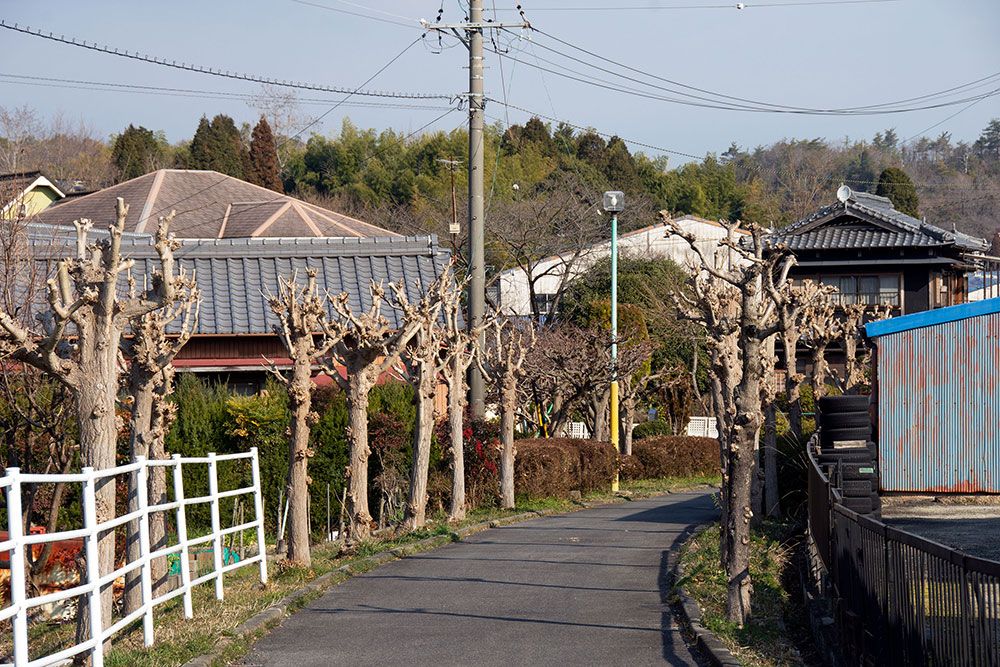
(870, 289)
(545, 302)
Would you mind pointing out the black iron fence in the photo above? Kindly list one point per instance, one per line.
(901, 599)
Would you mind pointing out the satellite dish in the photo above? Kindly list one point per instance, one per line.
(844, 193)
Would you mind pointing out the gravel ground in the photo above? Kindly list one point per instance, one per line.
(975, 529)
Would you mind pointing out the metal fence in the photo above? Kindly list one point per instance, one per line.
(901, 599)
(101, 630)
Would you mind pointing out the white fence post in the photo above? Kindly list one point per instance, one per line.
(93, 566)
(146, 573)
(213, 492)
(15, 532)
(258, 506)
(182, 536)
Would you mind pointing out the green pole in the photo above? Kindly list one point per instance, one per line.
(614, 341)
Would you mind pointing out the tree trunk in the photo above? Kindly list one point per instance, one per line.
(508, 409)
(300, 399)
(416, 505)
(360, 520)
(456, 413)
(600, 404)
(142, 415)
(820, 369)
(772, 499)
(628, 421)
(793, 383)
(162, 413)
(95, 399)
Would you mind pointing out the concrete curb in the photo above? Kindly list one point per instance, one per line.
(717, 653)
(264, 620)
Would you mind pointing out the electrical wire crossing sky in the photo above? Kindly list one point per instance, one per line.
(678, 78)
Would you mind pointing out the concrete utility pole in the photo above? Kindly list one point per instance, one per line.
(473, 39)
(477, 228)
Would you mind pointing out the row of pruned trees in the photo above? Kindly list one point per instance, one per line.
(422, 339)
(742, 296)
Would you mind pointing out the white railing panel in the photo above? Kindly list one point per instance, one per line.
(89, 590)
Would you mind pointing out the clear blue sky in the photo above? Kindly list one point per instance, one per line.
(817, 56)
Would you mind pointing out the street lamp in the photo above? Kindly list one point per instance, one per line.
(614, 203)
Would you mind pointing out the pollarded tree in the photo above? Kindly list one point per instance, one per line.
(462, 350)
(308, 336)
(824, 327)
(897, 186)
(503, 362)
(425, 359)
(150, 352)
(733, 300)
(80, 345)
(371, 346)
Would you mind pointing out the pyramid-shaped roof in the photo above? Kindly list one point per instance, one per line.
(208, 205)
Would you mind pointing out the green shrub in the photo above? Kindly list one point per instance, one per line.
(650, 429)
(672, 456)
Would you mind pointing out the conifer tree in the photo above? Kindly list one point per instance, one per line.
(264, 158)
(135, 152)
(217, 145)
(897, 186)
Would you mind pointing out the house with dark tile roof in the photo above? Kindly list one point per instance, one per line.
(208, 205)
(235, 337)
(874, 254)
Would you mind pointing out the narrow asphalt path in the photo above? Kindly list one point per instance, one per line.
(576, 589)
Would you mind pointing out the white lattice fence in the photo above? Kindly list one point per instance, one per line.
(89, 592)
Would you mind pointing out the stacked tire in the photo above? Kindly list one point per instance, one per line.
(848, 453)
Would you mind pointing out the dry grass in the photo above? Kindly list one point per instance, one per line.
(769, 638)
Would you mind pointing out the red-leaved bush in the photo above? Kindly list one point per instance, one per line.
(671, 456)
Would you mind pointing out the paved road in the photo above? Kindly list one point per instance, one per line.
(578, 589)
(975, 529)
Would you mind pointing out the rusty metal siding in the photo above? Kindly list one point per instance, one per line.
(939, 407)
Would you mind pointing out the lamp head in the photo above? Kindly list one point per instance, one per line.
(614, 201)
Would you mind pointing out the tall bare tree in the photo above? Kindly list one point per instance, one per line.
(503, 362)
(79, 346)
(824, 327)
(425, 358)
(462, 351)
(733, 301)
(308, 335)
(371, 346)
(150, 352)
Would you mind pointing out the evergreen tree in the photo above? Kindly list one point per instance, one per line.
(897, 186)
(860, 174)
(217, 145)
(201, 150)
(264, 158)
(135, 152)
(988, 145)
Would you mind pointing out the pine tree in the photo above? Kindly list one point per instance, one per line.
(135, 152)
(897, 186)
(264, 158)
(217, 145)
(201, 146)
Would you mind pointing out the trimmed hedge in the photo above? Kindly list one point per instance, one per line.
(547, 468)
(672, 456)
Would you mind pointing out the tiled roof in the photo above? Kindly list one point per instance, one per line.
(868, 221)
(236, 275)
(208, 205)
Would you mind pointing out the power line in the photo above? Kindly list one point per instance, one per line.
(414, 24)
(732, 5)
(756, 104)
(200, 69)
(115, 87)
